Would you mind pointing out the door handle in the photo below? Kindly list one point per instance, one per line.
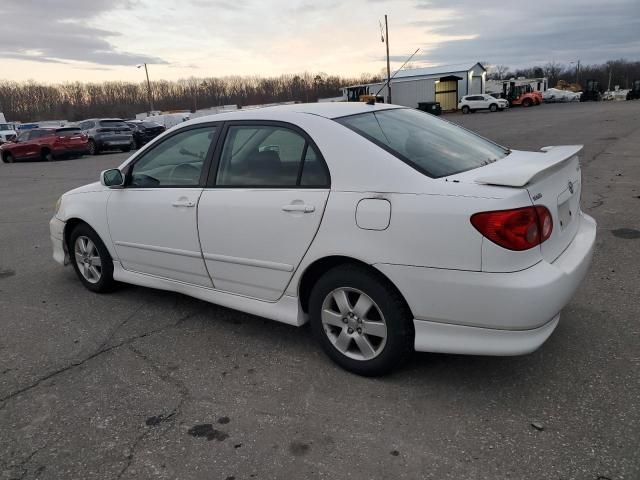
(183, 204)
(299, 207)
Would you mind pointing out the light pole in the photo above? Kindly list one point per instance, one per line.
(385, 39)
(149, 94)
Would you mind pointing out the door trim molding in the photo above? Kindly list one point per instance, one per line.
(154, 248)
(249, 262)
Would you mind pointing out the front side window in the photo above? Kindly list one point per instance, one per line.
(434, 147)
(268, 156)
(175, 162)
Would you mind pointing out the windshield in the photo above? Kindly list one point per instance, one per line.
(432, 146)
(6, 126)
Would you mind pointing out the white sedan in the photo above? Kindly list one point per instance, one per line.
(388, 229)
(473, 103)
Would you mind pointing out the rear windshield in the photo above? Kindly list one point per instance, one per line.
(113, 124)
(68, 132)
(432, 146)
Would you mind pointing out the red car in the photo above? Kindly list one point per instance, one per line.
(45, 144)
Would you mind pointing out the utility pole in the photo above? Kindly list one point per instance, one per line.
(386, 40)
(149, 94)
(577, 70)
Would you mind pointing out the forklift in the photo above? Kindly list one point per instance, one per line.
(592, 93)
(520, 95)
(634, 93)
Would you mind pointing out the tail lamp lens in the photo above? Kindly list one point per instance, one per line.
(517, 229)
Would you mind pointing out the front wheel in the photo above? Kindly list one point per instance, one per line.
(47, 156)
(8, 158)
(360, 320)
(91, 260)
(493, 107)
(526, 103)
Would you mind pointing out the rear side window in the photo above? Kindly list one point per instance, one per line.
(432, 146)
(269, 156)
(68, 132)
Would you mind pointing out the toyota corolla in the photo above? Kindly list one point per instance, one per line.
(386, 228)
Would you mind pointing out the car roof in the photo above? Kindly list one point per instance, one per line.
(329, 110)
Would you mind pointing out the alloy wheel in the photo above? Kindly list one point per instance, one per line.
(354, 324)
(88, 259)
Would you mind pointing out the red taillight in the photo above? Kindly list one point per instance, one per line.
(517, 229)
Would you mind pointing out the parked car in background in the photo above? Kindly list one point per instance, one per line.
(386, 228)
(107, 134)
(7, 132)
(472, 103)
(46, 144)
(144, 131)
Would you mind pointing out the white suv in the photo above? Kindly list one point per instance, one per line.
(471, 103)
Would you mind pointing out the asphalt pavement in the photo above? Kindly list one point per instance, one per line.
(143, 383)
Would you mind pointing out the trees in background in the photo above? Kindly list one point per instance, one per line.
(30, 101)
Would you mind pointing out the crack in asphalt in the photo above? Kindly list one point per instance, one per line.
(132, 453)
(99, 352)
(26, 461)
(167, 378)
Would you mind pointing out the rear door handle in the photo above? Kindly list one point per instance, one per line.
(184, 204)
(299, 207)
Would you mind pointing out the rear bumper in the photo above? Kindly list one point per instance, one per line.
(56, 230)
(115, 142)
(71, 150)
(493, 313)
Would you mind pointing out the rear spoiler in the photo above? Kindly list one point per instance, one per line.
(521, 168)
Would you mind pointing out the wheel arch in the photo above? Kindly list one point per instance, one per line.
(320, 266)
(70, 226)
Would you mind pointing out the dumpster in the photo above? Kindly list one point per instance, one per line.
(430, 107)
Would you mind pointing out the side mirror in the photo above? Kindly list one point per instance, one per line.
(112, 178)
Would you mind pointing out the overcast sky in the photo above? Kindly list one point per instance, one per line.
(93, 40)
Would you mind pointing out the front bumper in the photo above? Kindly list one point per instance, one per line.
(493, 313)
(56, 230)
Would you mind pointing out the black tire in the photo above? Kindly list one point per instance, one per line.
(93, 148)
(493, 107)
(8, 158)
(466, 109)
(47, 155)
(106, 283)
(526, 102)
(127, 149)
(398, 346)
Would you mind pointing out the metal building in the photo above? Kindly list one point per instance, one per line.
(445, 84)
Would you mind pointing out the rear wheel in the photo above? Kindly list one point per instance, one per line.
(93, 148)
(127, 149)
(465, 109)
(526, 102)
(360, 320)
(493, 107)
(8, 158)
(91, 259)
(47, 155)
